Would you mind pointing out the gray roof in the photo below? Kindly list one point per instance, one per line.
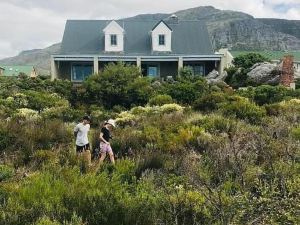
(83, 37)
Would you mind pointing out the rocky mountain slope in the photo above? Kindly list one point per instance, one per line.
(235, 30)
(40, 58)
(291, 27)
(240, 31)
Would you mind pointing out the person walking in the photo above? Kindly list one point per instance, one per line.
(81, 134)
(105, 136)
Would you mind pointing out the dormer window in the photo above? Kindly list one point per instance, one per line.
(113, 40)
(161, 36)
(114, 37)
(161, 39)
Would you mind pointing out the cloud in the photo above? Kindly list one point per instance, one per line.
(37, 24)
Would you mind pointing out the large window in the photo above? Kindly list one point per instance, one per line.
(152, 71)
(80, 71)
(198, 70)
(113, 40)
(161, 39)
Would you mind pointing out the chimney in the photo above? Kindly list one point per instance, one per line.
(287, 74)
(173, 19)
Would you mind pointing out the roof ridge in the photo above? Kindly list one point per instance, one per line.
(134, 20)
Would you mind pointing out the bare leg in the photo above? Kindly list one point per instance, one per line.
(112, 158)
(103, 155)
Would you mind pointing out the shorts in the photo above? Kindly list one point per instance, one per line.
(105, 148)
(80, 149)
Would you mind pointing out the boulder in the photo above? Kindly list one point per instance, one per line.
(265, 73)
(214, 77)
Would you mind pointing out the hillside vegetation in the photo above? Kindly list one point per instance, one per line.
(272, 55)
(187, 152)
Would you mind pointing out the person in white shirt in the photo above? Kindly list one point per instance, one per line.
(81, 134)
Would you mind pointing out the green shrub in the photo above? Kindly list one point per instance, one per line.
(246, 61)
(231, 71)
(43, 157)
(185, 91)
(150, 161)
(139, 91)
(39, 100)
(289, 109)
(296, 133)
(6, 137)
(243, 109)
(237, 75)
(118, 84)
(160, 100)
(266, 94)
(46, 221)
(28, 136)
(186, 73)
(6, 172)
(215, 123)
(12, 86)
(210, 101)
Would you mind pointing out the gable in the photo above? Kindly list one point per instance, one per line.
(161, 25)
(113, 27)
(114, 37)
(161, 37)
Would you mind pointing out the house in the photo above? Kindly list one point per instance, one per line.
(13, 71)
(158, 48)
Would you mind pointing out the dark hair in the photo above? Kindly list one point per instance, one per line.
(86, 118)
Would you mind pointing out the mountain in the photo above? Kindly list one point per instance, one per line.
(240, 31)
(291, 27)
(40, 58)
(231, 29)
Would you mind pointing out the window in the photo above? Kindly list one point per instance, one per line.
(198, 70)
(113, 40)
(161, 39)
(152, 71)
(81, 71)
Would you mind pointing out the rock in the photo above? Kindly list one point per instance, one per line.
(213, 77)
(264, 73)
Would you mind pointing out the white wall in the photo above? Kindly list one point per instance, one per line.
(161, 29)
(114, 28)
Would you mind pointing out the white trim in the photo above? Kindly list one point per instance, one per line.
(216, 57)
(161, 29)
(113, 28)
(111, 24)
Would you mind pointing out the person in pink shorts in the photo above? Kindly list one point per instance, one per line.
(105, 137)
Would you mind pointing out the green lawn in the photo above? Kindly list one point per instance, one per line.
(273, 55)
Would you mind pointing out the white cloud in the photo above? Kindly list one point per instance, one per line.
(36, 24)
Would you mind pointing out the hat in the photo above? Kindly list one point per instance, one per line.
(86, 118)
(111, 122)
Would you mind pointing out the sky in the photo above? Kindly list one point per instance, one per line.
(32, 24)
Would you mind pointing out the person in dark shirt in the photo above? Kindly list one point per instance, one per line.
(105, 137)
